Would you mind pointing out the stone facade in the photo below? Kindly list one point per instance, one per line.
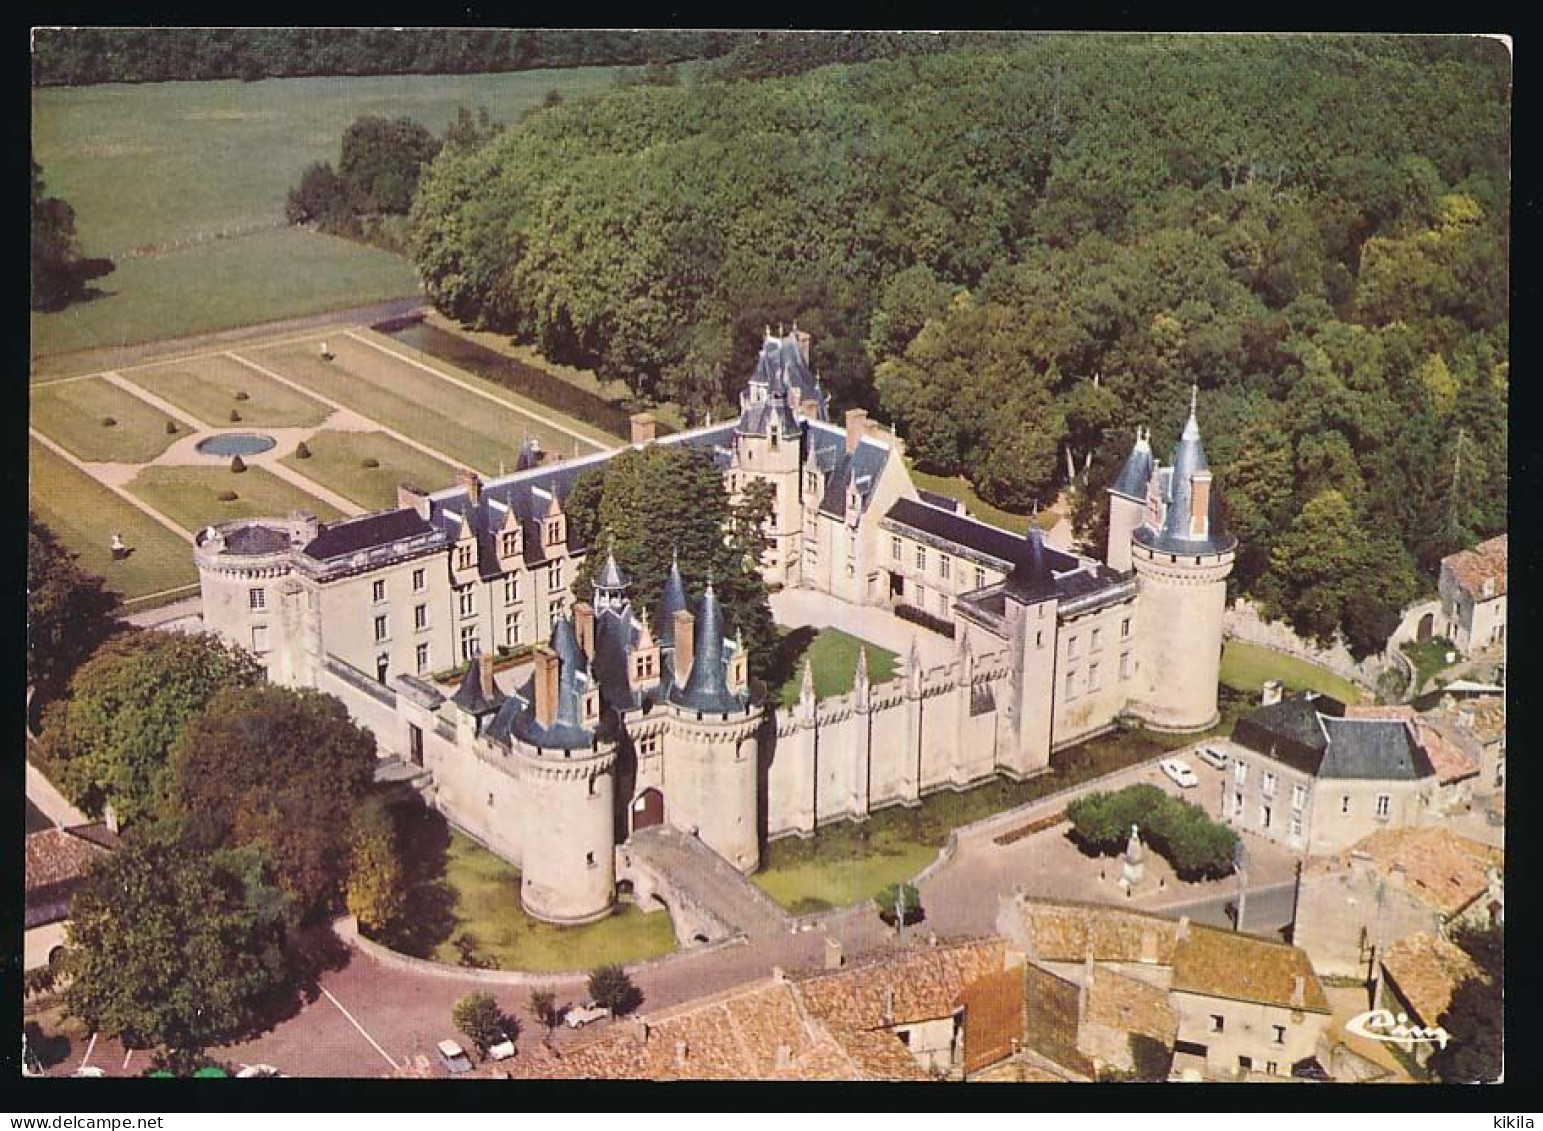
(1050, 647)
(1472, 587)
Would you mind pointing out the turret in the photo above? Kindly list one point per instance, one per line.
(1127, 501)
(610, 583)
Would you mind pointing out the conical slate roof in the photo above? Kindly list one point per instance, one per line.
(1137, 472)
(611, 576)
(671, 602)
(1175, 537)
(707, 687)
(470, 697)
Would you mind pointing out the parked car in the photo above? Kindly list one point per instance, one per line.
(1179, 773)
(90, 1071)
(503, 1048)
(453, 1057)
(582, 1015)
(257, 1072)
(1213, 757)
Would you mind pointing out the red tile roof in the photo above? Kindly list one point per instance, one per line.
(1485, 562)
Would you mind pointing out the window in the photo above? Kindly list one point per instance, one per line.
(554, 577)
(1071, 684)
(1280, 1034)
(1384, 803)
(1267, 785)
(490, 801)
(1218, 1023)
(259, 638)
(980, 578)
(1039, 638)
(415, 743)
(1237, 805)
(1299, 797)
(420, 617)
(943, 605)
(1125, 628)
(1071, 646)
(470, 646)
(589, 859)
(1264, 816)
(554, 532)
(649, 746)
(380, 628)
(420, 580)
(1246, 1063)
(422, 658)
(257, 599)
(467, 598)
(511, 629)
(920, 593)
(1124, 665)
(1296, 827)
(509, 543)
(511, 590)
(945, 566)
(1272, 1068)
(463, 558)
(1344, 803)
(1240, 772)
(378, 591)
(1092, 677)
(1093, 641)
(921, 558)
(895, 547)
(554, 610)
(382, 665)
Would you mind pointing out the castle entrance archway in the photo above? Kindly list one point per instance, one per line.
(1427, 623)
(647, 809)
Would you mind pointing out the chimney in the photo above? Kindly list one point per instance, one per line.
(778, 975)
(1200, 504)
(1396, 876)
(810, 409)
(834, 956)
(645, 430)
(303, 528)
(685, 637)
(1465, 718)
(857, 424)
(1272, 692)
(640, 1030)
(469, 479)
(546, 685)
(485, 673)
(889, 1005)
(584, 627)
(681, 1049)
(1298, 991)
(411, 497)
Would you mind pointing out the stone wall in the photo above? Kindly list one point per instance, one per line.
(1244, 622)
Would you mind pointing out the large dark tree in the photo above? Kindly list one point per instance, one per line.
(173, 946)
(59, 272)
(108, 741)
(1475, 1019)
(69, 611)
(282, 770)
(381, 161)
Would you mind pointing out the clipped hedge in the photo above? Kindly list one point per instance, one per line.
(1182, 833)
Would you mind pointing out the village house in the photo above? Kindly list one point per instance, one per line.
(1355, 904)
(57, 861)
(1418, 976)
(1473, 595)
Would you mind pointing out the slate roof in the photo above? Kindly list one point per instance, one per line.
(1485, 562)
(516, 718)
(1136, 472)
(255, 538)
(707, 687)
(1175, 486)
(1427, 969)
(1289, 731)
(782, 355)
(827, 451)
(470, 697)
(1376, 749)
(341, 539)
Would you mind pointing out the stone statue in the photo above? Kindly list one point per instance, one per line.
(1135, 866)
(120, 551)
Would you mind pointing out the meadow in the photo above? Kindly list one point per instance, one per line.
(190, 496)
(340, 461)
(147, 168)
(210, 388)
(75, 415)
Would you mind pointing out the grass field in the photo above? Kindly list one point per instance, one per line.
(1245, 667)
(833, 656)
(156, 163)
(84, 515)
(458, 890)
(337, 462)
(189, 496)
(72, 414)
(1429, 658)
(206, 388)
(240, 282)
(401, 396)
(958, 488)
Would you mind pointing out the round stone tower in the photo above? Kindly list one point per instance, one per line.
(251, 596)
(566, 770)
(1182, 557)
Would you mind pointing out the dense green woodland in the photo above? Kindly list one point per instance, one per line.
(1017, 256)
(80, 56)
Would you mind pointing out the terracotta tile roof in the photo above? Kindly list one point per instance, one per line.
(60, 857)
(1486, 715)
(1130, 1005)
(1241, 967)
(1070, 932)
(1471, 568)
(1451, 762)
(1445, 870)
(897, 989)
(1426, 969)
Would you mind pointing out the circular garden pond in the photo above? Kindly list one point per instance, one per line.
(236, 444)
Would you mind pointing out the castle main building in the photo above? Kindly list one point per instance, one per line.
(626, 719)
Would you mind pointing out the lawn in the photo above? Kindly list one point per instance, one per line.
(1245, 667)
(833, 655)
(207, 388)
(1429, 658)
(337, 461)
(466, 427)
(844, 862)
(463, 903)
(958, 488)
(84, 515)
(152, 164)
(189, 496)
(73, 414)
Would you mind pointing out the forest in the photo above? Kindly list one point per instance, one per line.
(1016, 256)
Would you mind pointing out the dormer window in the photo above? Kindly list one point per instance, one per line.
(509, 543)
(554, 531)
(463, 556)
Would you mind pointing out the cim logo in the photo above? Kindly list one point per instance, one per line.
(1382, 1025)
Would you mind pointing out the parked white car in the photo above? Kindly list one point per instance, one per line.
(452, 1057)
(582, 1015)
(502, 1050)
(1213, 757)
(1179, 773)
(258, 1072)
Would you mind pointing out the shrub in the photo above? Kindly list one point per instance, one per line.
(171, 427)
(228, 496)
(235, 417)
(887, 899)
(543, 1005)
(302, 451)
(241, 395)
(109, 422)
(611, 987)
(237, 464)
(370, 463)
(1180, 832)
(479, 1018)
